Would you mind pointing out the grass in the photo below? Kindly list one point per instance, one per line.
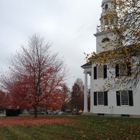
(72, 128)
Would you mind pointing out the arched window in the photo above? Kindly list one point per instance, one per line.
(106, 6)
(105, 40)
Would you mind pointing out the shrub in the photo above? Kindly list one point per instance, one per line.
(12, 112)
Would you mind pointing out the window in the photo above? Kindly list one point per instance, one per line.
(105, 40)
(106, 6)
(100, 98)
(124, 98)
(123, 70)
(100, 72)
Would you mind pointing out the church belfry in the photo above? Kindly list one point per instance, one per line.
(108, 20)
(108, 15)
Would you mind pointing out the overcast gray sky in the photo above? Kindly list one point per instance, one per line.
(68, 24)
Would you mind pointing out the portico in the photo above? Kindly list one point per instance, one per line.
(87, 73)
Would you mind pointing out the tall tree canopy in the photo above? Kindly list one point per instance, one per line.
(36, 75)
(2, 100)
(65, 91)
(77, 95)
(124, 49)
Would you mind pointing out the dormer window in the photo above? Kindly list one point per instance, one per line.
(106, 6)
(105, 40)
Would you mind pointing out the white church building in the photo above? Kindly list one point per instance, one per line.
(107, 102)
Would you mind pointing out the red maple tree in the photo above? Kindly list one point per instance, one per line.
(2, 99)
(36, 76)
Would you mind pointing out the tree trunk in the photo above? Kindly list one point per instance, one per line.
(35, 113)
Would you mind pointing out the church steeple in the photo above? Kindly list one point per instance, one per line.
(105, 32)
(108, 15)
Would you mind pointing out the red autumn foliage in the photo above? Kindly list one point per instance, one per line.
(2, 100)
(20, 95)
(36, 77)
(33, 121)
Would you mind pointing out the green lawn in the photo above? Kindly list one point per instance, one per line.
(79, 128)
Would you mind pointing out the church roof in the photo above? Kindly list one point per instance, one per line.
(133, 49)
(86, 65)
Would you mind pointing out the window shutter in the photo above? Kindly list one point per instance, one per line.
(105, 99)
(130, 98)
(95, 72)
(105, 71)
(95, 98)
(117, 70)
(118, 98)
(128, 69)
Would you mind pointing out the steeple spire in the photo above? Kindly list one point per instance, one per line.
(108, 16)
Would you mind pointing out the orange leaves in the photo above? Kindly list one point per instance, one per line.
(89, 57)
(137, 34)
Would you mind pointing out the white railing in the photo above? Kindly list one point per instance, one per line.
(104, 28)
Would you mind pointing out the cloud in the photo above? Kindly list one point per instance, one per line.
(68, 24)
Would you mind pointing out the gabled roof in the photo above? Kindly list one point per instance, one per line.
(120, 51)
(87, 65)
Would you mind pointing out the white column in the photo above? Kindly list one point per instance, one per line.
(85, 95)
(91, 94)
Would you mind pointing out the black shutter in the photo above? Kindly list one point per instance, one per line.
(95, 72)
(105, 99)
(105, 71)
(95, 98)
(118, 98)
(128, 69)
(130, 98)
(117, 70)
